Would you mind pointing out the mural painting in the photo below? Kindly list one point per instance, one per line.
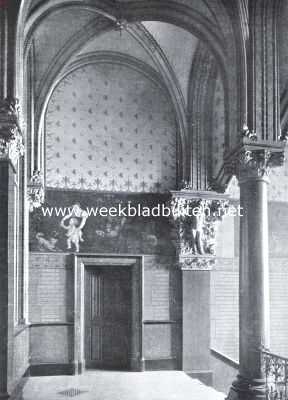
(73, 230)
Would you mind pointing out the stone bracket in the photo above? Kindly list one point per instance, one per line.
(195, 216)
(35, 190)
(11, 138)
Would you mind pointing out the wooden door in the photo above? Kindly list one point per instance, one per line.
(108, 315)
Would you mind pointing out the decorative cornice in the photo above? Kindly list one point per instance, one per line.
(35, 190)
(11, 140)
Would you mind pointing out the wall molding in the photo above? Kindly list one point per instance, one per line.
(136, 265)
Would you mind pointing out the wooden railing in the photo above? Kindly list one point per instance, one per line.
(276, 374)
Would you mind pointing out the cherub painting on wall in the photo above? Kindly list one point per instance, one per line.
(76, 220)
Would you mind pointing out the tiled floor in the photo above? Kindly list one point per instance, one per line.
(110, 385)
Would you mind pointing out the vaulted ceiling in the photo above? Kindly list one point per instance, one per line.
(61, 35)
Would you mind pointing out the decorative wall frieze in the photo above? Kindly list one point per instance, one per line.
(196, 215)
(11, 139)
(35, 190)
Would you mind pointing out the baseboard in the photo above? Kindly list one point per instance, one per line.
(165, 364)
(51, 369)
(137, 365)
(205, 377)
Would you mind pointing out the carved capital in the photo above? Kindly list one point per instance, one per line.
(255, 162)
(253, 158)
(35, 190)
(11, 139)
(9, 106)
(196, 218)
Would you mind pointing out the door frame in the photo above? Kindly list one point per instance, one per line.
(81, 263)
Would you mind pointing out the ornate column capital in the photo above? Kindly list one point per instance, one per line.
(253, 159)
(195, 215)
(35, 190)
(11, 139)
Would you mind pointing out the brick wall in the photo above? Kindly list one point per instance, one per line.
(50, 308)
(224, 285)
(50, 288)
(161, 308)
(224, 307)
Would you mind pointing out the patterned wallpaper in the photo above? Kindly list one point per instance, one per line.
(108, 127)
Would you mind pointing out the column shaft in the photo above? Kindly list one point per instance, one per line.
(254, 277)
(254, 303)
(6, 241)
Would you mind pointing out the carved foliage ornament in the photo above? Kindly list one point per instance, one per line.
(196, 263)
(255, 163)
(11, 140)
(246, 133)
(35, 190)
(196, 221)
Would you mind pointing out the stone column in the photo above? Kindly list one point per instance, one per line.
(11, 147)
(196, 214)
(254, 307)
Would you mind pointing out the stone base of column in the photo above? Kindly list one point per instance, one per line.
(245, 389)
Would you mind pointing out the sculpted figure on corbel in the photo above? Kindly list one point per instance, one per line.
(35, 190)
(11, 138)
(196, 221)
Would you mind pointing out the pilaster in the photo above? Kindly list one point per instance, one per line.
(196, 215)
(11, 149)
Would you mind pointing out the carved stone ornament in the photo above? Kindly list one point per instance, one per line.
(11, 139)
(255, 163)
(197, 263)
(196, 221)
(246, 133)
(35, 191)
(253, 157)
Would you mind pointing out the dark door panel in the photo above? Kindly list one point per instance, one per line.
(107, 317)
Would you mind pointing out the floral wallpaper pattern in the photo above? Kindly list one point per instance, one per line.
(110, 128)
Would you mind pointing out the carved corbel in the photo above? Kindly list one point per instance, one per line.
(196, 215)
(253, 158)
(252, 162)
(11, 139)
(35, 191)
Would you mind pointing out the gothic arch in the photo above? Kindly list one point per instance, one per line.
(61, 63)
(225, 52)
